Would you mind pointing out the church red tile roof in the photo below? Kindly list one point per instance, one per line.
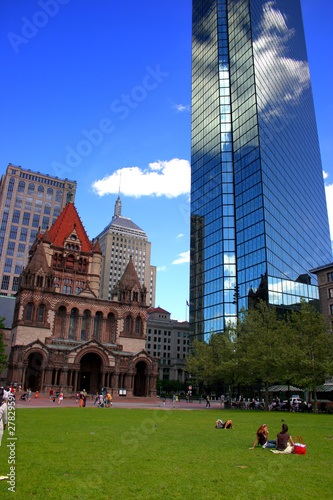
(157, 309)
(67, 221)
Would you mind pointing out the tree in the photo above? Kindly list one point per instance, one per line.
(314, 346)
(169, 386)
(3, 357)
(214, 361)
(262, 346)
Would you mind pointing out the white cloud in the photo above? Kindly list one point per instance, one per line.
(161, 178)
(183, 258)
(325, 174)
(180, 235)
(162, 268)
(181, 107)
(329, 198)
(271, 53)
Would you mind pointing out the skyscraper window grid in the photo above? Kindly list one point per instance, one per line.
(24, 195)
(250, 199)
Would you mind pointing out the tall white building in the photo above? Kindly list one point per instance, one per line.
(121, 239)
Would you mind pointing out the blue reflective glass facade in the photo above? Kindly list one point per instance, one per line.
(258, 208)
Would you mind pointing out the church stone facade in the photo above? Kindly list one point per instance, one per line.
(63, 335)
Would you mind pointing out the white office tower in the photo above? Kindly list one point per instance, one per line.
(121, 239)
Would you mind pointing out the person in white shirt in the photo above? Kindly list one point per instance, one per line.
(3, 414)
(5, 394)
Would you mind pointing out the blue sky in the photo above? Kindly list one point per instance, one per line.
(96, 89)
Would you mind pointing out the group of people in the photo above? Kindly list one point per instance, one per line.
(82, 398)
(293, 406)
(283, 439)
(104, 399)
(281, 443)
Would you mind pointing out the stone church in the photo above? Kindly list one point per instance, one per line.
(63, 335)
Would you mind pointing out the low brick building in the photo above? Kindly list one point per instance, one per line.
(63, 335)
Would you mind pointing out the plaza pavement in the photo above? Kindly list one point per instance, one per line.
(119, 402)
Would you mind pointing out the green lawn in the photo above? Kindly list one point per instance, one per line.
(75, 453)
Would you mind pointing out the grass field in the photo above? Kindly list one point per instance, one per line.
(72, 453)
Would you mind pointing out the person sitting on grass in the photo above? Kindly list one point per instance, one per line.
(227, 425)
(262, 438)
(283, 438)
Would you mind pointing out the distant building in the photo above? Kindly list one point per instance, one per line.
(121, 239)
(325, 286)
(28, 201)
(167, 340)
(63, 335)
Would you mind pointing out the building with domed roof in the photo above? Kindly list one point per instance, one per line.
(119, 240)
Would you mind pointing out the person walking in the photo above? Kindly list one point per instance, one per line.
(61, 398)
(207, 402)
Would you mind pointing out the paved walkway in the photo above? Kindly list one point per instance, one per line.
(147, 403)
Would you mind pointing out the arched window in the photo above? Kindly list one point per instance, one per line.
(72, 323)
(41, 311)
(97, 325)
(138, 325)
(49, 194)
(111, 329)
(11, 184)
(58, 195)
(66, 289)
(85, 324)
(40, 191)
(21, 186)
(70, 262)
(29, 311)
(135, 296)
(31, 188)
(60, 322)
(39, 281)
(128, 324)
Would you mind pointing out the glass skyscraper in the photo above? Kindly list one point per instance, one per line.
(258, 208)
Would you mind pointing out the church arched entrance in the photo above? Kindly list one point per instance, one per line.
(140, 379)
(90, 373)
(33, 374)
